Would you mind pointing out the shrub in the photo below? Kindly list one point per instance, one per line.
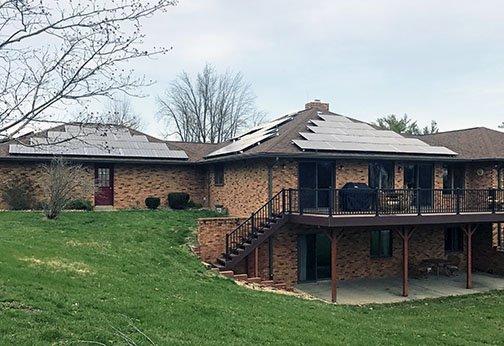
(79, 204)
(194, 205)
(61, 180)
(178, 200)
(18, 194)
(152, 202)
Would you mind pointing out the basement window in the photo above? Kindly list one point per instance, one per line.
(454, 239)
(219, 175)
(381, 244)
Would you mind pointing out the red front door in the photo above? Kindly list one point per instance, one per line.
(104, 182)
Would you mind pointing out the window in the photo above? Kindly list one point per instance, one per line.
(501, 178)
(219, 175)
(454, 239)
(103, 177)
(381, 175)
(381, 244)
(453, 178)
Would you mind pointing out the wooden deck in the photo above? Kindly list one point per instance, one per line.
(368, 220)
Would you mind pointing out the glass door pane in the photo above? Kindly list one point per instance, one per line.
(324, 183)
(307, 260)
(425, 184)
(307, 185)
(323, 246)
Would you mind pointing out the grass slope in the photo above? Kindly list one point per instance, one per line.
(128, 277)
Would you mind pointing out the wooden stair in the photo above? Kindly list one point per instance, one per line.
(253, 280)
(251, 233)
(258, 236)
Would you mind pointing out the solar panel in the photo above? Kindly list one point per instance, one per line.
(334, 118)
(96, 141)
(369, 132)
(244, 143)
(268, 125)
(338, 124)
(253, 137)
(338, 133)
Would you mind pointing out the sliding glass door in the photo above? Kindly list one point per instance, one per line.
(315, 181)
(314, 257)
(420, 176)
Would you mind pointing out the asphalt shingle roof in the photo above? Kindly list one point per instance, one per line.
(478, 143)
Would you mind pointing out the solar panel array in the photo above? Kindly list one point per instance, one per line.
(104, 141)
(252, 137)
(338, 133)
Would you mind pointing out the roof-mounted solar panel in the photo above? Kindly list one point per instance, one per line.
(105, 141)
(337, 133)
(253, 137)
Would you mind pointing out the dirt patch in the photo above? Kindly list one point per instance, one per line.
(13, 305)
(91, 244)
(60, 265)
(294, 293)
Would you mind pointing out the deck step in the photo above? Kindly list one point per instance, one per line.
(267, 282)
(227, 273)
(254, 280)
(280, 285)
(241, 277)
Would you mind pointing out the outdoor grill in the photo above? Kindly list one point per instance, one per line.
(356, 197)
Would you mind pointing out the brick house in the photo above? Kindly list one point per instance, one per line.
(312, 195)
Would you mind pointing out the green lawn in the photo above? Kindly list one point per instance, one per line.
(119, 277)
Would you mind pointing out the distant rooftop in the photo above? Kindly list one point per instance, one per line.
(477, 143)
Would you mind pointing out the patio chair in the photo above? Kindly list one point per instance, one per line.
(452, 265)
(420, 270)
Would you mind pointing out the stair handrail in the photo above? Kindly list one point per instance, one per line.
(254, 220)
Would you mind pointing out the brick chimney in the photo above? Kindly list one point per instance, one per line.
(317, 104)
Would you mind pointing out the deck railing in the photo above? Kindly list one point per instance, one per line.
(258, 221)
(393, 201)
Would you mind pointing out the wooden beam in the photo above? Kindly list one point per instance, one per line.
(270, 257)
(256, 262)
(405, 234)
(469, 231)
(334, 270)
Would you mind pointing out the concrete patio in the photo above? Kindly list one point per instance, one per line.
(389, 290)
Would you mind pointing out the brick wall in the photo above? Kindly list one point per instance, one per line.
(486, 257)
(34, 172)
(285, 175)
(134, 183)
(354, 260)
(212, 236)
(488, 180)
(351, 171)
(245, 187)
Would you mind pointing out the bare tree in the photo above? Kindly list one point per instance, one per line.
(121, 112)
(54, 54)
(211, 108)
(63, 181)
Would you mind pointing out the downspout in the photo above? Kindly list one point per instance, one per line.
(270, 177)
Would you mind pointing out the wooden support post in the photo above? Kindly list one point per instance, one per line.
(469, 231)
(270, 258)
(256, 262)
(334, 236)
(405, 235)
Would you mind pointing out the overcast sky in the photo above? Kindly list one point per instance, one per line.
(441, 60)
